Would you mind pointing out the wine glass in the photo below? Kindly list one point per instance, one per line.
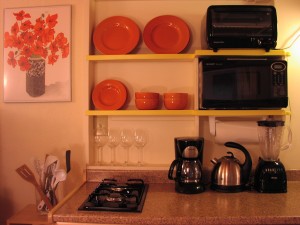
(100, 141)
(140, 140)
(126, 143)
(113, 142)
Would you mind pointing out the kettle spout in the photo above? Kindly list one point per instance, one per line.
(247, 165)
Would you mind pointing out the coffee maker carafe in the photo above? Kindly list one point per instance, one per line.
(188, 165)
(270, 175)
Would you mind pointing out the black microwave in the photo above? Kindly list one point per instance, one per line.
(241, 26)
(243, 83)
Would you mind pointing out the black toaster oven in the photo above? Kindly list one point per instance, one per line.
(241, 26)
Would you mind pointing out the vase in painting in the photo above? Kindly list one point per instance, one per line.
(35, 77)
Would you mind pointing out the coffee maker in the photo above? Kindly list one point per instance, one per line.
(270, 175)
(188, 165)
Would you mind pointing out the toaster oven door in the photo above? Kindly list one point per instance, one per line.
(226, 23)
(241, 26)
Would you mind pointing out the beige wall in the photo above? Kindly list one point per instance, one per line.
(288, 24)
(31, 130)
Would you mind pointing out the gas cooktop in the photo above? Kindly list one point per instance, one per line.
(113, 196)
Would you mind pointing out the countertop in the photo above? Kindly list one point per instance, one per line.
(164, 206)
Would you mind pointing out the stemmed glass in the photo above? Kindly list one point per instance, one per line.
(140, 140)
(126, 143)
(113, 142)
(100, 141)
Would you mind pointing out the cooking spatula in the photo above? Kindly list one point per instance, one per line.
(28, 175)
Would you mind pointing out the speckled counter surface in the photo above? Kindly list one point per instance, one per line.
(164, 206)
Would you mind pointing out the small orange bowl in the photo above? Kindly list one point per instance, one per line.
(148, 103)
(175, 101)
(175, 95)
(146, 95)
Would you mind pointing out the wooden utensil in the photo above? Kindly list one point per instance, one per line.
(28, 175)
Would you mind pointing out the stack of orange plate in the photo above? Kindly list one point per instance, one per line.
(116, 35)
(166, 34)
(109, 95)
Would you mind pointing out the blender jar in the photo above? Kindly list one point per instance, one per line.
(270, 134)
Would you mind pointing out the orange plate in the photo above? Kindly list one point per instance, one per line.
(109, 95)
(116, 35)
(166, 34)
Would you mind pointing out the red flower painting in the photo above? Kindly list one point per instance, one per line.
(28, 39)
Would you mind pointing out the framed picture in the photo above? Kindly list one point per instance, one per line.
(37, 54)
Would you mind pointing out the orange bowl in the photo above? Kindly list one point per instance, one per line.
(145, 104)
(175, 101)
(175, 95)
(146, 95)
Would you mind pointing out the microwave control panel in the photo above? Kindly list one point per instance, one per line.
(279, 78)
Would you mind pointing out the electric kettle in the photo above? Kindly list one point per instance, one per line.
(188, 175)
(228, 174)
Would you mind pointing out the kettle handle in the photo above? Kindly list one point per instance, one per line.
(247, 165)
(231, 144)
(170, 174)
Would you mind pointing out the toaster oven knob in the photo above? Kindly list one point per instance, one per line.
(258, 42)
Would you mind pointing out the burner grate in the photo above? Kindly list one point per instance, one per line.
(111, 196)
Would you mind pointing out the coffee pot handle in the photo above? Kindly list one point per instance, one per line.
(170, 174)
(289, 139)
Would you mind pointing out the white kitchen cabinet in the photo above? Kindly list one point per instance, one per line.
(29, 215)
(142, 70)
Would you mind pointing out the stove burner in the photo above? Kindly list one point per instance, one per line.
(111, 196)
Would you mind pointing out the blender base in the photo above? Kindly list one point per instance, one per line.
(270, 177)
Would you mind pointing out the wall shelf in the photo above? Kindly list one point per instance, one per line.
(137, 57)
(188, 57)
(221, 113)
(143, 70)
(241, 52)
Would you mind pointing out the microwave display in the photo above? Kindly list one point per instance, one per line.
(243, 83)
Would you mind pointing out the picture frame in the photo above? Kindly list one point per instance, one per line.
(37, 54)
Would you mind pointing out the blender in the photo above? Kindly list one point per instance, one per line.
(270, 175)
